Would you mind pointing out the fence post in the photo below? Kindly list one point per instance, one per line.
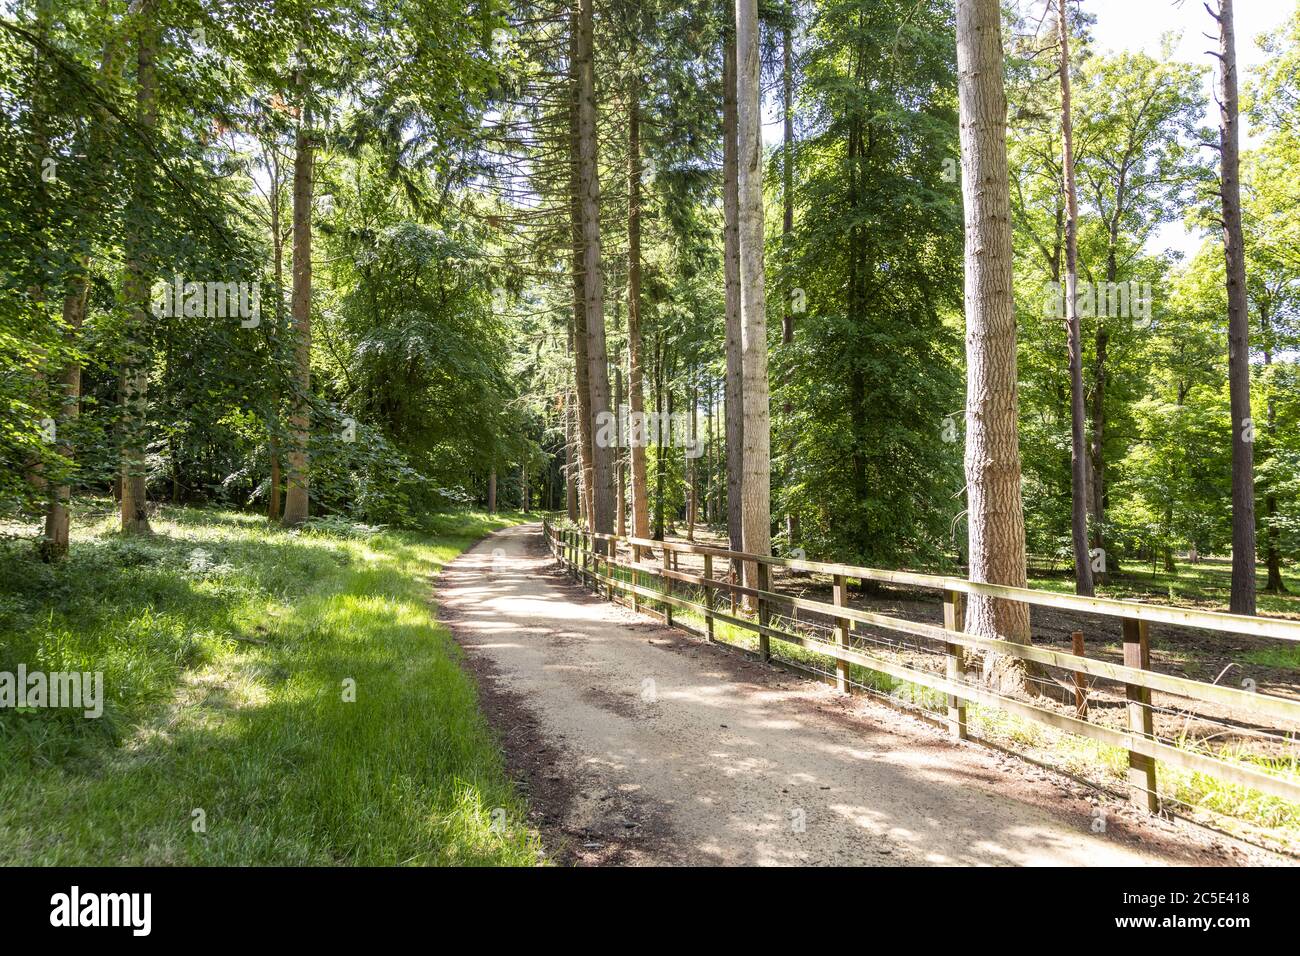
(1141, 768)
(636, 564)
(954, 619)
(1080, 682)
(733, 575)
(611, 555)
(841, 634)
(586, 560)
(708, 597)
(668, 585)
(764, 645)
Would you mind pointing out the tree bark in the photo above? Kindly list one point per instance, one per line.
(54, 545)
(1243, 449)
(135, 373)
(581, 367)
(296, 503)
(692, 475)
(620, 499)
(492, 492)
(1083, 583)
(787, 237)
(273, 504)
(756, 529)
(593, 284)
(733, 407)
(571, 465)
(1272, 547)
(636, 398)
(661, 459)
(996, 518)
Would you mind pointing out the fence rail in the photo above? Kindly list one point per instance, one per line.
(597, 560)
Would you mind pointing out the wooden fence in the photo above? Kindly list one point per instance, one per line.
(613, 564)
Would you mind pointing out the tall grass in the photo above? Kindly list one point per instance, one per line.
(228, 649)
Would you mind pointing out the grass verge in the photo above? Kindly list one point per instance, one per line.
(228, 649)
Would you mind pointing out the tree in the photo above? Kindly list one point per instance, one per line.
(1136, 135)
(1243, 426)
(602, 517)
(1078, 424)
(296, 501)
(58, 511)
(635, 374)
(757, 464)
(734, 402)
(996, 520)
(787, 237)
(876, 255)
(134, 383)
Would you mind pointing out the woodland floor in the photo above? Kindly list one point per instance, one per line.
(639, 744)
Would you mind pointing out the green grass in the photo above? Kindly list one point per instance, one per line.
(225, 647)
(1207, 585)
(1288, 657)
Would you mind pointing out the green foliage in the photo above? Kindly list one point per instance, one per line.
(224, 648)
(874, 369)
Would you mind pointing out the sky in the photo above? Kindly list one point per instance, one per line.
(1134, 25)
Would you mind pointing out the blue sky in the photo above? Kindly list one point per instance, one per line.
(1140, 24)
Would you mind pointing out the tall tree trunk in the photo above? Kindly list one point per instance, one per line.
(38, 96)
(492, 492)
(593, 285)
(756, 527)
(1272, 549)
(273, 498)
(296, 499)
(661, 459)
(708, 451)
(996, 519)
(135, 373)
(620, 499)
(1078, 450)
(691, 456)
(636, 398)
(273, 503)
(787, 237)
(582, 369)
(1243, 454)
(571, 464)
(54, 544)
(734, 406)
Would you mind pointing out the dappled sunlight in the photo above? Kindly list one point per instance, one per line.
(740, 770)
(293, 687)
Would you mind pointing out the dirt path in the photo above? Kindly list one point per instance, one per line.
(639, 744)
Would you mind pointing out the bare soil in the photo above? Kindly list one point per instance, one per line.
(1193, 653)
(636, 744)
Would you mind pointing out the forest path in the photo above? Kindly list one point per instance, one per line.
(639, 744)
